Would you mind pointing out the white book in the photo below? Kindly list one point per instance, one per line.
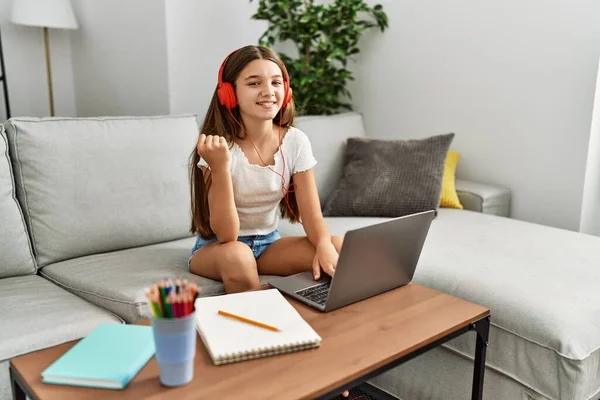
(230, 340)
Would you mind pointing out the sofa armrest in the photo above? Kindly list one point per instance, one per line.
(483, 197)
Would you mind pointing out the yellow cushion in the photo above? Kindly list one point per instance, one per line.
(449, 198)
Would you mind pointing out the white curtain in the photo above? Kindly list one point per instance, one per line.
(590, 208)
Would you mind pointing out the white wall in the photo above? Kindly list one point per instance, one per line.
(590, 209)
(25, 63)
(514, 80)
(120, 57)
(198, 39)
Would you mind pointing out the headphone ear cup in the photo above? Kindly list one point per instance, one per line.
(288, 96)
(226, 95)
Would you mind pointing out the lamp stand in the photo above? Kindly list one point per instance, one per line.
(49, 71)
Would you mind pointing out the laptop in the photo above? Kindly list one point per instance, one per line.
(373, 260)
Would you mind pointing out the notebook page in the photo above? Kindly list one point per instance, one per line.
(226, 337)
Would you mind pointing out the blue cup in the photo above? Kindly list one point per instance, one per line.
(175, 342)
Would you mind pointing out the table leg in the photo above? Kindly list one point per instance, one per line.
(482, 328)
(17, 390)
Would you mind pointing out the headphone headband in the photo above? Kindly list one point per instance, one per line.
(222, 67)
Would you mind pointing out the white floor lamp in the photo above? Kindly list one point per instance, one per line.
(45, 14)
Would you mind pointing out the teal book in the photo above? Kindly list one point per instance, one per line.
(108, 357)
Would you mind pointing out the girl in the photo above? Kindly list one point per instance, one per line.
(247, 159)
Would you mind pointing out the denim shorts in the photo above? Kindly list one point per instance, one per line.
(257, 243)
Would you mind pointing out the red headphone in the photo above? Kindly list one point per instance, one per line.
(226, 93)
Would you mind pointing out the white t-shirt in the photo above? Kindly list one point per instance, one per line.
(257, 190)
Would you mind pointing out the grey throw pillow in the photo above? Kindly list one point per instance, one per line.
(390, 178)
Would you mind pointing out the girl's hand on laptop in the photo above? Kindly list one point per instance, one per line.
(326, 258)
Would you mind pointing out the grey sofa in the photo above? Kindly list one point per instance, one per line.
(95, 210)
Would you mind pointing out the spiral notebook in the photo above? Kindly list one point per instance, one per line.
(230, 340)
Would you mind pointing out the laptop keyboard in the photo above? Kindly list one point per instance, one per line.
(317, 293)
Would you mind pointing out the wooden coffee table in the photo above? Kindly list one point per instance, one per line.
(360, 341)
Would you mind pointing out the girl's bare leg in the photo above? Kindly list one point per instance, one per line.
(290, 255)
(232, 263)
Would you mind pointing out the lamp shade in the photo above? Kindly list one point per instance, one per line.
(44, 13)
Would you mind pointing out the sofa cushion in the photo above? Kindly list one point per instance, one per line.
(36, 314)
(117, 281)
(449, 197)
(17, 258)
(5, 388)
(390, 178)
(337, 225)
(91, 185)
(484, 197)
(541, 284)
(442, 374)
(328, 135)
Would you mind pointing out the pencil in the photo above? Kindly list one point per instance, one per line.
(171, 300)
(154, 304)
(249, 321)
(159, 305)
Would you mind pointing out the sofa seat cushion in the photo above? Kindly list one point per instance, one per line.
(541, 284)
(117, 281)
(17, 256)
(441, 374)
(37, 314)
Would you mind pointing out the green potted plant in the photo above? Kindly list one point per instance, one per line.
(326, 36)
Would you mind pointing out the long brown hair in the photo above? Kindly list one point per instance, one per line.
(219, 122)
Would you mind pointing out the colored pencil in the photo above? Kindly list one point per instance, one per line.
(168, 299)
